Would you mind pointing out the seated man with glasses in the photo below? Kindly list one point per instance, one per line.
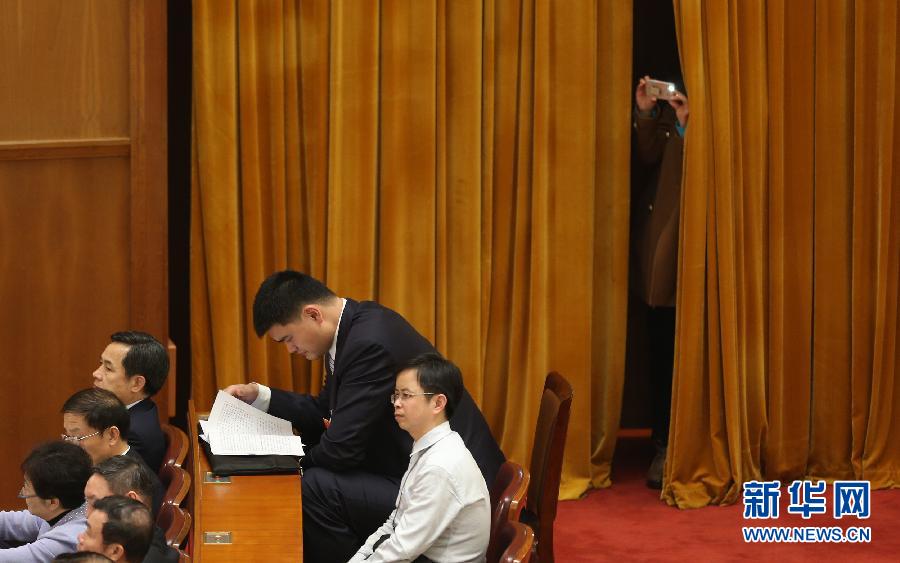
(96, 420)
(442, 512)
(54, 477)
(127, 477)
(120, 528)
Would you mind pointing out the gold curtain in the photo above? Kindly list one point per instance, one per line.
(463, 162)
(787, 345)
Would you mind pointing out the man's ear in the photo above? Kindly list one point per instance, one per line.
(53, 503)
(114, 551)
(440, 402)
(114, 433)
(137, 383)
(133, 495)
(313, 312)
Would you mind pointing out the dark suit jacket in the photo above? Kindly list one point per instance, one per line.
(145, 435)
(160, 552)
(373, 341)
(656, 208)
(157, 484)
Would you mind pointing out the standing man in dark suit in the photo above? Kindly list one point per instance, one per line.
(134, 366)
(355, 452)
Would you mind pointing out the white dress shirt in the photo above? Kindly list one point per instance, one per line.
(443, 508)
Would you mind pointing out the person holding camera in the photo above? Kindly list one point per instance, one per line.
(660, 121)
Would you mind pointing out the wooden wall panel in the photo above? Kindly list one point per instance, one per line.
(62, 226)
(83, 183)
(64, 69)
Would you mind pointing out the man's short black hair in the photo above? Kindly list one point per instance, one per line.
(58, 470)
(82, 557)
(100, 408)
(438, 375)
(128, 523)
(146, 356)
(123, 473)
(280, 298)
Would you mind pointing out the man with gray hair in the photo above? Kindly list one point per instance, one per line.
(134, 366)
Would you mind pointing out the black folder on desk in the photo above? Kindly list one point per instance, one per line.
(227, 465)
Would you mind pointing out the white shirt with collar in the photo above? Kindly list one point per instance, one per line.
(337, 329)
(443, 509)
(265, 393)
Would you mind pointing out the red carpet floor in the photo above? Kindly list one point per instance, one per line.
(628, 522)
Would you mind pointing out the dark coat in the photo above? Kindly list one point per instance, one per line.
(656, 208)
(145, 435)
(373, 341)
(160, 552)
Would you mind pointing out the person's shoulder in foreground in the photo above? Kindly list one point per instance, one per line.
(82, 557)
(55, 474)
(160, 551)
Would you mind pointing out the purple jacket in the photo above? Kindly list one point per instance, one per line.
(44, 542)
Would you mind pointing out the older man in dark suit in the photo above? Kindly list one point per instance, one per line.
(356, 453)
(134, 367)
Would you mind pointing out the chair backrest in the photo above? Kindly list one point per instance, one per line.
(176, 481)
(546, 462)
(516, 543)
(176, 445)
(507, 500)
(174, 522)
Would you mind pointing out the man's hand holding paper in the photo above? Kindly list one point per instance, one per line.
(236, 428)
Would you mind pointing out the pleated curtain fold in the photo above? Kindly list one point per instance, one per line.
(787, 346)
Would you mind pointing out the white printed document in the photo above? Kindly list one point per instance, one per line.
(236, 428)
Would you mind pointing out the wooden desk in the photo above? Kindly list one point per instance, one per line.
(262, 512)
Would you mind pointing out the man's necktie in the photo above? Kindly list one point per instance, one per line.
(329, 369)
